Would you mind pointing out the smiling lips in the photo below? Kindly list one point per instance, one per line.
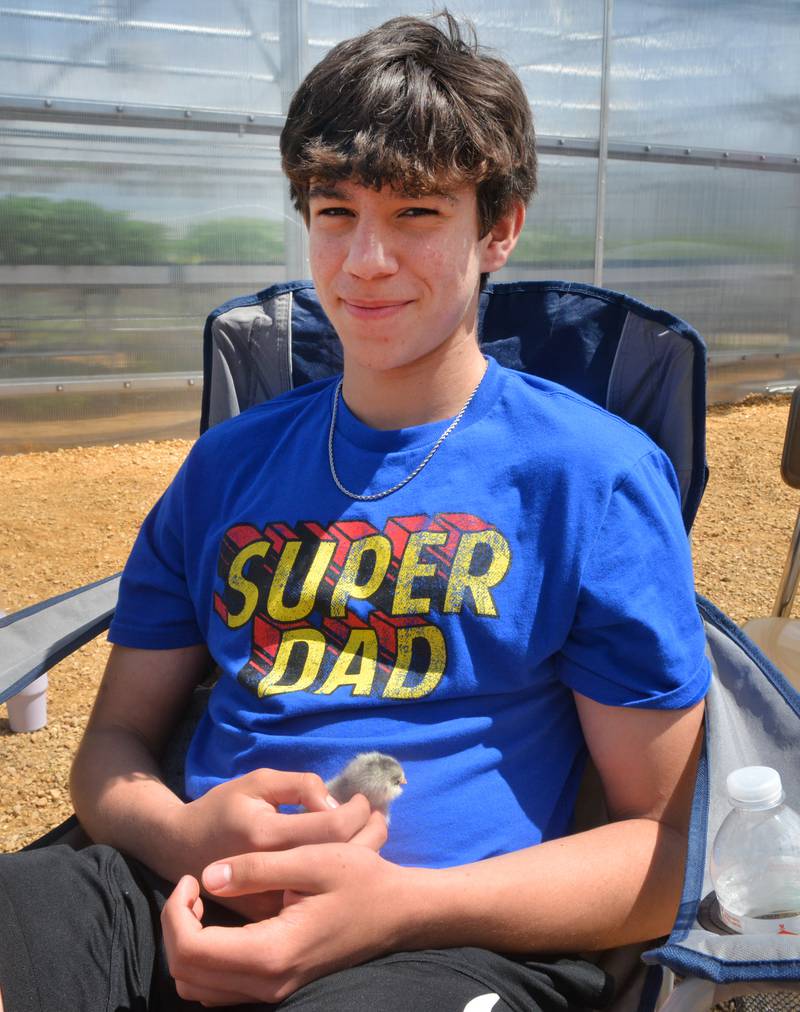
(377, 310)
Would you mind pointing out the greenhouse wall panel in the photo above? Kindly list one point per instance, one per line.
(140, 182)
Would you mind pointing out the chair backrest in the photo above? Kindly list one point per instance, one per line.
(641, 363)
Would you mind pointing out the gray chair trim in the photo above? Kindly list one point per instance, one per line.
(34, 640)
(251, 356)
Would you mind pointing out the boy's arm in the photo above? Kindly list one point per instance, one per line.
(594, 890)
(617, 883)
(120, 798)
(115, 782)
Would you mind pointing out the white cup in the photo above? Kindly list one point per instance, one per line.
(27, 710)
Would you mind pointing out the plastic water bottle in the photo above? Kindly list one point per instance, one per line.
(755, 860)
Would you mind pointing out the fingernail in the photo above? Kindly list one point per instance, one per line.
(331, 802)
(217, 876)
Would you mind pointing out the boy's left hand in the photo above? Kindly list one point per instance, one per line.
(342, 906)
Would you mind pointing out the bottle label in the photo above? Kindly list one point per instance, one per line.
(780, 923)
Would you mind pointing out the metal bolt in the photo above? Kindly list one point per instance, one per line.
(48, 103)
(796, 161)
(191, 382)
(120, 108)
(561, 142)
(127, 384)
(251, 118)
(687, 151)
(188, 114)
(762, 158)
(648, 147)
(726, 154)
(59, 386)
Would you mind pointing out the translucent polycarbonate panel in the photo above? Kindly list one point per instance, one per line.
(195, 53)
(708, 73)
(115, 244)
(718, 247)
(556, 48)
(558, 239)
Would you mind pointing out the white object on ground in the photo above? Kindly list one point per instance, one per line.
(27, 710)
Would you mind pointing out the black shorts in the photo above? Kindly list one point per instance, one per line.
(80, 932)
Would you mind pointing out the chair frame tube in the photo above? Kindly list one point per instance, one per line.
(787, 589)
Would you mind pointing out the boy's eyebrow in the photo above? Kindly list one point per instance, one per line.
(330, 191)
(450, 197)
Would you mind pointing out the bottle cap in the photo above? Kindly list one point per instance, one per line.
(755, 787)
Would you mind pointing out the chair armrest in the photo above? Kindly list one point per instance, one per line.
(35, 639)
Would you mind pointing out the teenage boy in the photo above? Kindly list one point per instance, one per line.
(471, 569)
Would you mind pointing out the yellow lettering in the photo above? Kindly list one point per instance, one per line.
(276, 608)
(396, 687)
(239, 582)
(410, 568)
(461, 579)
(346, 586)
(315, 649)
(361, 646)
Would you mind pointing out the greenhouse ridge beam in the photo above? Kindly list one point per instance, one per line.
(666, 153)
(84, 111)
(74, 64)
(103, 21)
(115, 382)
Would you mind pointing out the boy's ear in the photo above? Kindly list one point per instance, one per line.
(501, 239)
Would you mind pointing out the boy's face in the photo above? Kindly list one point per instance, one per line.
(397, 275)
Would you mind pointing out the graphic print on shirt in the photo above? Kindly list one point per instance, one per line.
(350, 608)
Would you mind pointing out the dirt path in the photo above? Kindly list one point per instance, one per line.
(70, 517)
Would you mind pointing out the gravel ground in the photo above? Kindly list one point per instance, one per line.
(70, 517)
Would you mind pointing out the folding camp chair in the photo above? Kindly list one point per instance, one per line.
(641, 363)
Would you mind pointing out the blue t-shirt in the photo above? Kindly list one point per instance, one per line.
(540, 551)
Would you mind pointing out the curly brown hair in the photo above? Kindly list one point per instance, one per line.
(415, 106)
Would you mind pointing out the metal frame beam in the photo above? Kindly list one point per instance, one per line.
(86, 112)
(98, 113)
(121, 383)
(103, 21)
(167, 69)
(717, 158)
(602, 147)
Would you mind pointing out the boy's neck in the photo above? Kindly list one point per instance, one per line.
(426, 390)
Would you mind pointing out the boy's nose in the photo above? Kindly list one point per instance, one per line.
(369, 254)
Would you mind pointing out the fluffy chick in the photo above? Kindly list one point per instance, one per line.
(378, 777)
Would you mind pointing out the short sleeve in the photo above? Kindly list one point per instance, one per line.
(155, 608)
(637, 638)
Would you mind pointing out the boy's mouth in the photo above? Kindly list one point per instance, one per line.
(380, 309)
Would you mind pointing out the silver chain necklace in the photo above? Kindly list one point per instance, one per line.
(417, 469)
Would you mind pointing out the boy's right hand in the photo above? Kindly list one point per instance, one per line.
(241, 816)
(121, 799)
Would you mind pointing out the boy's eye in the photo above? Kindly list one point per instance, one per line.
(419, 212)
(332, 212)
